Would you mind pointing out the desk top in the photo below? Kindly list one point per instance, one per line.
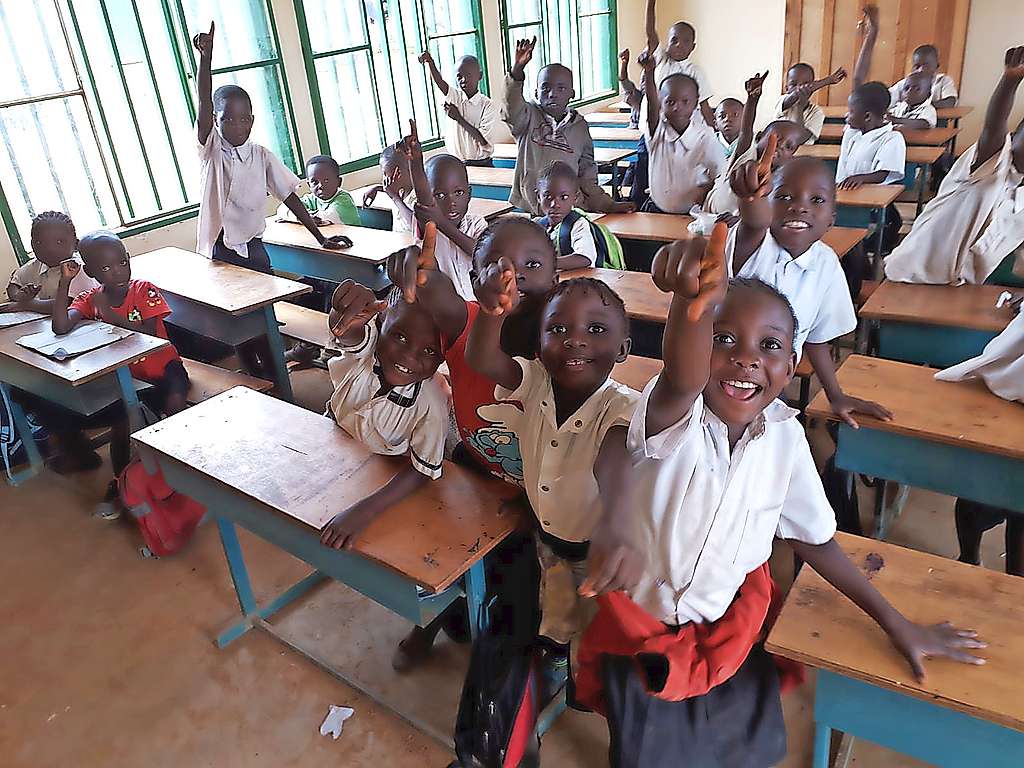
(232, 289)
(636, 371)
(622, 106)
(946, 113)
(368, 244)
(82, 368)
(962, 306)
(618, 118)
(604, 133)
(927, 137)
(304, 467)
(869, 195)
(963, 414)
(602, 155)
(915, 154)
(642, 298)
(492, 177)
(821, 628)
(489, 209)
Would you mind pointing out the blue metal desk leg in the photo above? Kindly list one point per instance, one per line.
(822, 745)
(476, 591)
(284, 384)
(240, 578)
(35, 461)
(879, 270)
(130, 397)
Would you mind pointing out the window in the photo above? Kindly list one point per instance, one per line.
(364, 77)
(578, 33)
(88, 127)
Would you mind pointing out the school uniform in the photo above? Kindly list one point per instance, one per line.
(721, 198)
(581, 237)
(728, 146)
(810, 116)
(479, 111)
(681, 162)
(1000, 365)
(974, 222)
(235, 182)
(340, 209)
(814, 283)
(455, 262)
(34, 272)
(923, 111)
(392, 421)
(943, 87)
(882, 149)
(402, 221)
(664, 66)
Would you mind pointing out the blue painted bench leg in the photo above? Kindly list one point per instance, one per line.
(284, 384)
(240, 578)
(822, 745)
(35, 460)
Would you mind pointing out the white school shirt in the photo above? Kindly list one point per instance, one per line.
(401, 221)
(235, 183)
(581, 239)
(665, 66)
(923, 111)
(811, 117)
(707, 515)
(34, 272)
(455, 262)
(974, 222)
(721, 198)
(480, 112)
(409, 420)
(1000, 365)
(814, 283)
(943, 87)
(558, 462)
(882, 149)
(680, 162)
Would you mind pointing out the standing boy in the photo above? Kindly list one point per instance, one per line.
(674, 58)
(473, 116)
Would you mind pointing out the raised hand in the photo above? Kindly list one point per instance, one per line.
(754, 179)
(695, 270)
(425, 58)
(496, 287)
(355, 305)
(452, 110)
(646, 60)
(411, 143)
(392, 186)
(523, 55)
(837, 77)
(754, 84)
(68, 270)
(624, 56)
(371, 195)
(1015, 63)
(410, 267)
(203, 42)
(869, 21)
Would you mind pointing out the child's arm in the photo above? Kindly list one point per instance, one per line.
(294, 204)
(517, 111)
(204, 123)
(452, 110)
(629, 89)
(344, 527)
(804, 92)
(694, 272)
(63, 319)
(752, 182)
(842, 404)
(652, 28)
(593, 196)
(352, 307)
(23, 299)
(946, 103)
(653, 115)
(859, 180)
(498, 294)
(572, 261)
(746, 138)
(863, 65)
(915, 641)
(910, 123)
(427, 58)
(993, 133)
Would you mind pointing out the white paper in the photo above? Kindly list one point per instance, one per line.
(335, 719)
(85, 337)
(7, 319)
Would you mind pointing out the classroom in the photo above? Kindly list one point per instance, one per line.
(315, 310)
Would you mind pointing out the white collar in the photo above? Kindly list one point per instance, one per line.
(806, 261)
(775, 413)
(586, 413)
(689, 137)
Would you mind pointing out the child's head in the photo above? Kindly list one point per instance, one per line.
(449, 181)
(799, 74)
(555, 90)
(395, 165)
(468, 75)
(528, 247)
(324, 176)
(728, 117)
(867, 106)
(233, 110)
(752, 358)
(916, 88)
(584, 332)
(558, 186)
(926, 60)
(53, 237)
(105, 259)
(682, 39)
(409, 346)
(803, 204)
(790, 137)
(679, 94)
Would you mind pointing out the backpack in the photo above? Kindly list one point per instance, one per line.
(13, 452)
(609, 249)
(167, 519)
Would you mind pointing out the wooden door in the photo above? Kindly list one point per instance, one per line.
(824, 34)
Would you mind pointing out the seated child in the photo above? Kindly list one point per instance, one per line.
(926, 61)
(327, 201)
(397, 185)
(728, 120)
(977, 219)
(912, 109)
(632, 95)
(685, 155)
(473, 116)
(795, 104)
(721, 469)
(34, 284)
(547, 131)
(557, 190)
(443, 193)
(674, 58)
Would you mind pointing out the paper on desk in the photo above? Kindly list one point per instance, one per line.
(7, 319)
(335, 719)
(85, 337)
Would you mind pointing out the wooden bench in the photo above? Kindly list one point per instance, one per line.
(206, 381)
(303, 324)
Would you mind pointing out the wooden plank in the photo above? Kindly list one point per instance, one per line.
(842, 240)
(963, 306)
(232, 289)
(303, 324)
(900, 57)
(600, 133)
(491, 177)
(963, 414)
(432, 537)
(206, 381)
(929, 137)
(818, 626)
(915, 154)
(368, 244)
(489, 209)
(828, 21)
(791, 43)
(869, 195)
(82, 368)
(602, 155)
(616, 118)
(953, 56)
(947, 113)
(637, 371)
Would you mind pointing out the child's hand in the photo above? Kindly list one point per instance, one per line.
(837, 77)
(852, 182)
(845, 406)
(918, 642)
(623, 207)
(754, 84)
(101, 305)
(427, 214)
(25, 293)
(371, 195)
(203, 42)
(391, 185)
(344, 527)
(624, 56)
(646, 60)
(694, 269)
(754, 179)
(496, 288)
(425, 58)
(869, 21)
(614, 564)
(68, 270)
(452, 111)
(336, 242)
(1015, 64)
(409, 268)
(411, 143)
(523, 55)
(316, 220)
(356, 306)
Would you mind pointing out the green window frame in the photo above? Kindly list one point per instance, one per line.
(582, 34)
(364, 77)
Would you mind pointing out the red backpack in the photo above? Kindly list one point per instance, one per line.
(167, 519)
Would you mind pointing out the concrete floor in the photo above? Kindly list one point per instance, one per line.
(107, 659)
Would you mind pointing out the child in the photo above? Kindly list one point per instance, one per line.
(674, 58)
(912, 109)
(795, 104)
(469, 136)
(557, 190)
(872, 152)
(686, 157)
(397, 185)
(442, 196)
(327, 201)
(237, 175)
(783, 215)
(926, 61)
(977, 219)
(547, 131)
(728, 121)
(632, 95)
(34, 284)
(721, 468)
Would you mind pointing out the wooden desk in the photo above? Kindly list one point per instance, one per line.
(492, 183)
(86, 383)
(916, 155)
(838, 111)
(620, 106)
(221, 301)
(637, 371)
(379, 214)
(607, 119)
(930, 137)
(602, 155)
(292, 248)
(624, 138)
(960, 715)
(938, 325)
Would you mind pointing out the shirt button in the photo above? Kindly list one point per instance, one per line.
(545, 488)
(546, 522)
(554, 443)
(544, 403)
(579, 423)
